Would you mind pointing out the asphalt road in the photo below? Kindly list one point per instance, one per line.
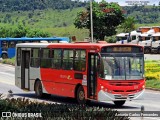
(151, 101)
(152, 56)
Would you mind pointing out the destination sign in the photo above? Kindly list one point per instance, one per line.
(122, 49)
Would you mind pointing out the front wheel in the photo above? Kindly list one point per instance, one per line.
(119, 103)
(80, 95)
(147, 51)
(4, 56)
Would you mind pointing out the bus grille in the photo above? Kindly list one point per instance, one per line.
(118, 90)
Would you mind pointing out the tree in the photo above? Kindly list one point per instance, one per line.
(106, 17)
(128, 25)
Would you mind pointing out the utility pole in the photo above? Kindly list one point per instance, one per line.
(91, 17)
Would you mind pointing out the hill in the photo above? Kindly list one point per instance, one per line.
(26, 5)
(56, 22)
(57, 16)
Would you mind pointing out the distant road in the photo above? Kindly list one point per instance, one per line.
(152, 57)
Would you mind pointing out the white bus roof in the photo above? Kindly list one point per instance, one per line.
(32, 44)
(122, 34)
(156, 34)
(145, 35)
(135, 33)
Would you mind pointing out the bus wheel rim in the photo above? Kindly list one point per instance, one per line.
(81, 95)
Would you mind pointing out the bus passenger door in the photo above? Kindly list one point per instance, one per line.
(92, 75)
(25, 69)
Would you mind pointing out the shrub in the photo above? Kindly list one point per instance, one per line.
(58, 111)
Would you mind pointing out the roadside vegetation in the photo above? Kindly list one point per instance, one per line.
(50, 111)
(152, 73)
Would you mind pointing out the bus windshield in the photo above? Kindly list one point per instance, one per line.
(121, 66)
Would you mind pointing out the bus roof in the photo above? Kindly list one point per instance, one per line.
(122, 35)
(37, 38)
(71, 45)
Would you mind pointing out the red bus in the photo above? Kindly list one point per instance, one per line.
(85, 71)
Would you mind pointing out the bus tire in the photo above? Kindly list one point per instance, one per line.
(147, 51)
(119, 103)
(80, 95)
(4, 56)
(38, 89)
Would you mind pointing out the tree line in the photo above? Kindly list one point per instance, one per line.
(21, 31)
(26, 5)
(143, 14)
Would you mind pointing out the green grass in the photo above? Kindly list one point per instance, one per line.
(153, 84)
(9, 61)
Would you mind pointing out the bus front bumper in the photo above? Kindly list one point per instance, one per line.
(105, 96)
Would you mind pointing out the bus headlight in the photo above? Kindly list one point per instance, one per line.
(143, 86)
(102, 87)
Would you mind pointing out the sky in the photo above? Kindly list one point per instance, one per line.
(123, 2)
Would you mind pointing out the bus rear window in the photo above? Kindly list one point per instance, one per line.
(12, 44)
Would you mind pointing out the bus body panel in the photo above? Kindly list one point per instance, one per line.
(59, 82)
(34, 74)
(11, 52)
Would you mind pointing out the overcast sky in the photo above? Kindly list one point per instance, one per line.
(123, 2)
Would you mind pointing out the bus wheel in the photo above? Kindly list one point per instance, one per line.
(119, 103)
(80, 96)
(4, 56)
(147, 50)
(38, 89)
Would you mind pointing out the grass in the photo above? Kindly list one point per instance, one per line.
(153, 84)
(56, 22)
(8, 61)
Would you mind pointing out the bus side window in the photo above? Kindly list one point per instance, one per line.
(35, 60)
(12, 44)
(67, 63)
(45, 58)
(4, 45)
(56, 61)
(80, 60)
